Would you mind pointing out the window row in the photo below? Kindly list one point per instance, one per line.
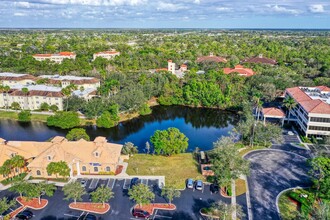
(317, 128)
(323, 120)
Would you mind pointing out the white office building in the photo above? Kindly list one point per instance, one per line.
(312, 112)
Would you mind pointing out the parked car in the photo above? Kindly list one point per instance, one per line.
(190, 183)
(87, 217)
(138, 213)
(134, 182)
(214, 188)
(290, 133)
(199, 185)
(26, 214)
(83, 182)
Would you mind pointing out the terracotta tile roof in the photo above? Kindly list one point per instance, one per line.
(73, 81)
(108, 52)
(323, 88)
(273, 112)
(239, 69)
(211, 59)
(81, 150)
(42, 55)
(65, 53)
(298, 94)
(161, 69)
(23, 77)
(36, 93)
(316, 106)
(260, 59)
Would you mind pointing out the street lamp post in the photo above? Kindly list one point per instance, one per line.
(252, 138)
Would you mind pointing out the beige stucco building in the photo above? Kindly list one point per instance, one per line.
(57, 58)
(106, 54)
(83, 157)
(12, 79)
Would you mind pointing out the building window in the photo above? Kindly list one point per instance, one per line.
(49, 174)
(38, 173)
(96, 169)
(49, 158)
(83, 168)
(96, 154)
(107, 169)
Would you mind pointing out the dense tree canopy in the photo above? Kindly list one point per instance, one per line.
(170, 141)
(76, 134)
(64, 120)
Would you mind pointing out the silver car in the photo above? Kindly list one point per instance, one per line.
(190, 183)
(199, 185)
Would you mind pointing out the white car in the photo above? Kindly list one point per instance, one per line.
(290, 133)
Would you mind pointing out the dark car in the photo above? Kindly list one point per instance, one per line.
(138, 213)
(26, 214)
(134, 181)
(87, 217)
(214, 188)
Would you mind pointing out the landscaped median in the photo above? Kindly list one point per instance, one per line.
(97, 208)
(29, 203)
(151, 207)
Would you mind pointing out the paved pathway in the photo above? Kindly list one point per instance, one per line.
(272, 171)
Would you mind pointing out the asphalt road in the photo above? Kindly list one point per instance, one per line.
(188, 205)
(273, 171)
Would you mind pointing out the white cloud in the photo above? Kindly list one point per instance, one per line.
(283, 10)
(197, 1)
(22, 4)
(95, 2)
(163, 6)
(20, 14)
(316, 8)
(224, 9)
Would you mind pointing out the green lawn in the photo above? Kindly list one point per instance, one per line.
(176, 168)
(13, 115)
(288, 210)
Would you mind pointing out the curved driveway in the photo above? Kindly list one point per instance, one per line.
(273, 171)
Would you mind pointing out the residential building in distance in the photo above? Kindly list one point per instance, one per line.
(211, 58)
(11, 79)
(260, 59)
(106, 54)
(57, 58)
(82, 157)
(50, 92)
(171, 67)
(312, 112)
(79, 81)
(35, 96)
(240, 70)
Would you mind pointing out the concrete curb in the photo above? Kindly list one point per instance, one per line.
(278, 196)
(86, 210)
(276, 150)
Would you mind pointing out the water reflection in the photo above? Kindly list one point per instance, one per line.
(201, 126)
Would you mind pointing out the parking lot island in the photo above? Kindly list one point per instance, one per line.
(153, 206)
(96, 208)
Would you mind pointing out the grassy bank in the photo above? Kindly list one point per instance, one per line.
(176, 168)
(14, 116)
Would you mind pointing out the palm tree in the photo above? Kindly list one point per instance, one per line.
(18, 162)
(25, 92)
(67, 92)
(6, 90)
(289, 103)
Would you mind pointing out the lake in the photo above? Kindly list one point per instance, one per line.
(201, 126)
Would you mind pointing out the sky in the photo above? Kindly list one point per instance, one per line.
(296, 14)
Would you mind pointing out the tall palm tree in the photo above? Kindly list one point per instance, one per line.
(289, 103)
(67, 92)
(6, 90)
(25, 92)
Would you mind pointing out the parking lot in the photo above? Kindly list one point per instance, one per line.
(188, 205)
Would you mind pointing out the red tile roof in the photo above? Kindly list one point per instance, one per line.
(108, 52)
(59, 54)
(42, 55)
(273, 112)
(36, 93)
(65, 53)
(316, 106)
(260, 59)
(211, 58)
(239, 69)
